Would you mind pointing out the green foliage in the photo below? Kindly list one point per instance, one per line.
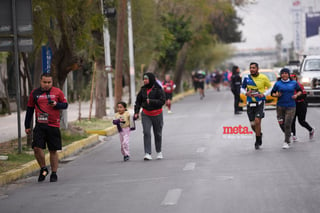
(176, 34)
(225, 23)
(93, 124)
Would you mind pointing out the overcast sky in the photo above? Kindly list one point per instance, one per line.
(265, 19)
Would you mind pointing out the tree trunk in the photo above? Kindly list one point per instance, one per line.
(37, 70)
(101, 90)
(4, 94)
(152, 66)
(119, 51)
(181, 61)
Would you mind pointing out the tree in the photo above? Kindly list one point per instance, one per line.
(177, 34)
(213, 23)
(61, 24)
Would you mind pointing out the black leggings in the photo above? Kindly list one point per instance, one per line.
(301, 112)
(236, 95)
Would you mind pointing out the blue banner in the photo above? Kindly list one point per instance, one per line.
(46, 59)
(312, 24)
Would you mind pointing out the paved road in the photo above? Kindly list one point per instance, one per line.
(204, 170)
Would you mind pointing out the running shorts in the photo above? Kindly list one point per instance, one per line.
(168, 96)
(255, 110)
(47, 135)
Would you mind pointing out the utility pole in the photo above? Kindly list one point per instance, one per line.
(119, 50)
(131, 55)
(16, 68)
(107, 60)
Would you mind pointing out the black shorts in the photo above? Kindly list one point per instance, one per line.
(47, 135)
(200, 85)
(168, 96)
(255, 111)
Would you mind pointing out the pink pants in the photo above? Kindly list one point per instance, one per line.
(124, 140)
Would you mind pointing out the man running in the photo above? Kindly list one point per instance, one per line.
(168, 87)
(254, 87)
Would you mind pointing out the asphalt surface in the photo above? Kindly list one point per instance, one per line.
(203, 170)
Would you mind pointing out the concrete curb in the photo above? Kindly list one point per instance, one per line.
(75, 147)
(32, 166)
(105, 132)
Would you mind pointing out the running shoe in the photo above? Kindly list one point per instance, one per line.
(294, 138)
(147, 156)
(53, 177)
(43, 173)
(126, 158)
(311, 134)
(159, 156)
(285, 145)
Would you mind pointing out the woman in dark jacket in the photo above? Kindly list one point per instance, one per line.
(150, 98)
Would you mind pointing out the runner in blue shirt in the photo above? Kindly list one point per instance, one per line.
(285, 89)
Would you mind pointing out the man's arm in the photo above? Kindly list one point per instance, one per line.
(28, 118)
(61, 106)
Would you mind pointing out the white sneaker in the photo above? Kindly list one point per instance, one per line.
(285, 146)
(159, 156)
(147, 156)
(294, 138)
(169, 111)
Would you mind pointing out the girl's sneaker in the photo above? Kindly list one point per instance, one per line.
(126, 158)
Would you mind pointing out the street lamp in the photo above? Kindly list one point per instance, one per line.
(131, 55)
(108, 13)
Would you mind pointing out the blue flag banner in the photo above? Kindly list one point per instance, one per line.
(312, 24)
(46, 59)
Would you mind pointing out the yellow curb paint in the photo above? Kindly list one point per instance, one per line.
(105, 132)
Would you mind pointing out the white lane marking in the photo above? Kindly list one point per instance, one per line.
(172, 197)
(189, 166)
(201, 149)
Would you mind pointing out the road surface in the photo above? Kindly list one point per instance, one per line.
(203, 170)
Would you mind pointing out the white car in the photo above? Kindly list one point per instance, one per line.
(309, 77)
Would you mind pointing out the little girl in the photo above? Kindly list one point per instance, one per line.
(122, 120)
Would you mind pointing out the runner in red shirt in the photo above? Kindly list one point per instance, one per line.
(46, 101)
(168, 87)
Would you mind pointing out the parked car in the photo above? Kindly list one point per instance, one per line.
(309, 77)
(272, 75)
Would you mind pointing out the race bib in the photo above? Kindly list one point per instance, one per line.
(254, 92)
(253, 104)
(42, 118)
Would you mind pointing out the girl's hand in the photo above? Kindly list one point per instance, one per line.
(136, 116)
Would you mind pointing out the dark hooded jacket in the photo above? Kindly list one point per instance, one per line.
(156, 96)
